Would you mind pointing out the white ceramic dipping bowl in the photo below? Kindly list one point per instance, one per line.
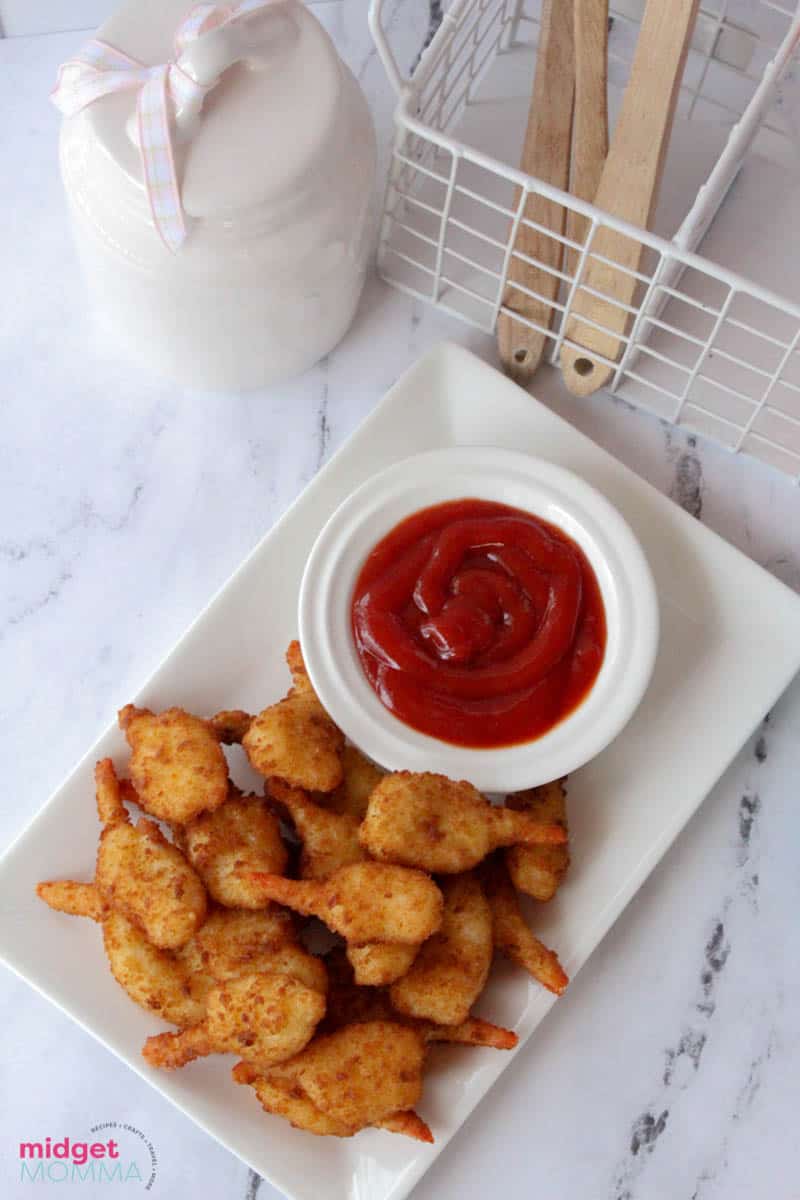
(537, 487)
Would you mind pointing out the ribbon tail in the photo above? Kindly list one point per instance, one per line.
(158, 161)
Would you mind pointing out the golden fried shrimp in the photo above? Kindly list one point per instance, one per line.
(138, 873)
(268, 1017)
(330, 840)
(539, 870)
(154, 979)
(177, 765)
(287, 1100)
(243, 835)
(76, 899)
(234, 942)
(142, 875)
(451, 969)
(231, 725)
(409, 1123)
(349, 1004)
(443, 826)
(296, 741)
(381, 1062)
(290, 1102)
(511, 933)
(377, 964)
(297, 669)
(365, 902)
(360, 778)
(111, 808)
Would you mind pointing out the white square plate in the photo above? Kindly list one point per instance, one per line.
(730, 645)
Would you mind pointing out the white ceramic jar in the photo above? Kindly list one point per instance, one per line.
(276, 177)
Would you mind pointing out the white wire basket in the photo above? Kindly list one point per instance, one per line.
(709, 347)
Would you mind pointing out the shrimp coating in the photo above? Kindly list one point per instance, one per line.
(295, 739)
(231, 725)
(381, 1062)
(268, 1017)
(289, 1101)
(177, 765)
(154, 979)
(451, 969)
(138, 873)
(511, 933)
(243, 835)
(443, 826)
(234, 942)
(350, 1004)
(76, 899)
(365, 902)
(360, 778)
(539, 870)
(377, 964)
(330, 839)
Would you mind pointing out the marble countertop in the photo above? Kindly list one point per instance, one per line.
(669, 1071)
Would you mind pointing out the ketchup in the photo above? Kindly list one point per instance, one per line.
(478, 623)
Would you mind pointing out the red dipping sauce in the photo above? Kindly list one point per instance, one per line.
(478, 623)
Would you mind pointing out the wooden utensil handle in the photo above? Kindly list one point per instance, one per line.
(546, 155)
(629, 189)
(590, 115)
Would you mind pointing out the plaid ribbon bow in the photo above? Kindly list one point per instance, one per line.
(164, 90)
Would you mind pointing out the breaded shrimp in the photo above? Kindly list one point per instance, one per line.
(177, 765)
(138, 873)
(381, 1062)
(452, 967)
(360, 778)
(511, 933)
(295, 739)
(154, 979)
(440, 825)
(539, 870)
(365, 902)
(289, 1101)
(330, 839)
(377, 964)
(243, 835)
(234, 942)
(268, 1017)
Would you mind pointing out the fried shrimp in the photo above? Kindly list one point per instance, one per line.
(177, 765)
(360, 777)
(138, 873)
(268, 1017)
(539, 870)
(154, 979)
(243, 835)
(365, 902)
(349, 1004)
(295, 739)
(330, 839)
(443, 826)
(511, 933)
(451, 969)
(377, 964)
(234, 942)
(380, 1060)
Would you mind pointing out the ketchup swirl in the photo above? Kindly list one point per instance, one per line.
(478, 623)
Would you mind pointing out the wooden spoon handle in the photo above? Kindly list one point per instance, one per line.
(545, 154)
(629, 189)
(590, 116)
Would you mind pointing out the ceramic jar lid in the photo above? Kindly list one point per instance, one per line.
(265, 127)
